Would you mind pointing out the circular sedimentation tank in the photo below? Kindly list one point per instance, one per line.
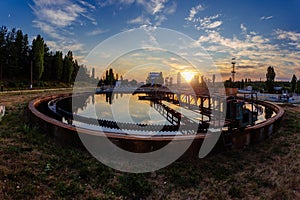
(65, 132)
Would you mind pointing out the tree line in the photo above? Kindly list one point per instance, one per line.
(269, 85)
(19, 59)
(293, 86)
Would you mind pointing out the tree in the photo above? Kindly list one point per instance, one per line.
(14, 52)
(22, 53)
(25, 59)
(242, 84)
(11, 54)
(293, 82)
(49, 69)
(111, 77)
(227, 83)
(133, 82)
(68, 67)
(270, 75)
(18, 48)
(38, 57)
(58, 65)
(16, 57)
(298, 86)
(83, 74)
(3, 33)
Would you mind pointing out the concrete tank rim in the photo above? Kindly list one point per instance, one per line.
(35, 102)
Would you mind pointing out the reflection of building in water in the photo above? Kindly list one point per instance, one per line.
(155, 78)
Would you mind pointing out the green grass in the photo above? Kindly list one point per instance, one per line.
(33, 166)
(21, 85)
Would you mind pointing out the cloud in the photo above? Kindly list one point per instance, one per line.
(214, 37)
(208, 23)
(193, 12)
(251, 42)
(212, 25)
(157, 10)
(97, 31)
(246, 67)
(266, 17)
(171, 9)
(150, 6)
(60, 13)
(292, 38)
(259, 39)
(139, 20)
(160, 19)
(113, 2)
(211, 22)
(253, 54)
(158, 6)
(153, 12)
(57, 19)
(243, 28)
(153, 6)
(64, 46)
(46, 28)
(86, 4)
(92, 20)
(289, 35)
(168, 10)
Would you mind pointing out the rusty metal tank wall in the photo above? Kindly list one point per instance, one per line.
(261, 131)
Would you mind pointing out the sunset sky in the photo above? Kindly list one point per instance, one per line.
(258, 33)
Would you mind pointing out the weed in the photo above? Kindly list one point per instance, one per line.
(133, 186)
(236, 192)
(26, 128)
(63, 189)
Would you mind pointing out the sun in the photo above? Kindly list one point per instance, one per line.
(187, 75)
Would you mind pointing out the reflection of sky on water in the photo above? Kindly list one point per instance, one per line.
(128, 109)
(261, 114)
(124, 108)
(88, 110)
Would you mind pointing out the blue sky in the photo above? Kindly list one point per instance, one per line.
(258, 33)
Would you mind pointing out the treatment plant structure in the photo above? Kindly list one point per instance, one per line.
(241, 117)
